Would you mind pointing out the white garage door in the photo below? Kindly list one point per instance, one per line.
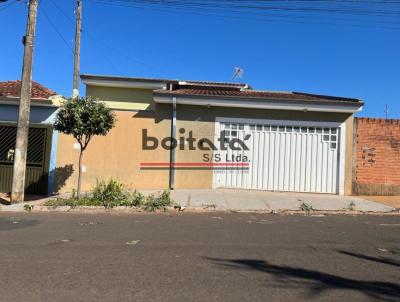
(281, 157)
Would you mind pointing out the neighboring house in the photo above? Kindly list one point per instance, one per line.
(41, 140)
(291, 141)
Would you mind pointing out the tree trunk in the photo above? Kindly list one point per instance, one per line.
(80, 174)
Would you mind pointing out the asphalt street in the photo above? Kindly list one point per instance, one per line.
(198, 257)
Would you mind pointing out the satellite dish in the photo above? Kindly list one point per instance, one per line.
(238, 73)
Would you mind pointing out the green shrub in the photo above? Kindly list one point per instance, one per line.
(28, 207)
(137, 199)
(110, 194)
(352, 206)
(74, 195)
(306, 207)
(161, 202)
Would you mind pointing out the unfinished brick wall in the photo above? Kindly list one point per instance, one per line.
(377, 157)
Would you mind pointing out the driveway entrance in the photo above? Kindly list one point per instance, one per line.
(253, 200)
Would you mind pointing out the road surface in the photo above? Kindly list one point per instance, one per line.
(198, 257)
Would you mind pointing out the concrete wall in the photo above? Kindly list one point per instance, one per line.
(377, 157)
(120, 153)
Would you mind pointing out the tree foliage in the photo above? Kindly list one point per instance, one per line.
(84, 118)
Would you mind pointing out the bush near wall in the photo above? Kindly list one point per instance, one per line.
(377, 157)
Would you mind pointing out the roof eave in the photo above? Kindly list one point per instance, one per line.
(261, 103)
(232, 97)
(37, 102)
(122, 82)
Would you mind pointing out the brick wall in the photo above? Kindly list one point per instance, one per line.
(377, 157)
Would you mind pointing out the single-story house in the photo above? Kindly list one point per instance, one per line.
(42, 139)
(224, 135)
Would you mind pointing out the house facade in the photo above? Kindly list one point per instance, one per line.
(202, 135)
(42, 140)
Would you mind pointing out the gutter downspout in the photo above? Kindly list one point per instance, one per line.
(173, 146)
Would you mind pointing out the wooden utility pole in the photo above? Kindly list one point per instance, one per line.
(18, 184)
(77, 57)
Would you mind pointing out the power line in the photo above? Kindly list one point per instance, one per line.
(56, 30)
(324, 6)
(6, 5)
(209, 11)
(265, 9)
(103, 44)
(62, 11)
(116, 50)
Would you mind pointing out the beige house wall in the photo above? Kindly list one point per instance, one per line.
(117, 155)
(120, 153)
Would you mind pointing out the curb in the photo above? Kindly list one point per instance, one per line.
(124, 210)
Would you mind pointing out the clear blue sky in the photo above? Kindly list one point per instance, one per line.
(359, 62)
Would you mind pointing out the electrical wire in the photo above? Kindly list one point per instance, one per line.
(287, 11)
(324, 6)
(271, 17)
(69, 18)
(103, 44)
(6, 5)
(56, 30)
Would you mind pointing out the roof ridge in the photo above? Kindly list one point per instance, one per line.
(269, 91)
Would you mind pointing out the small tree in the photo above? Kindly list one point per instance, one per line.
(84, 118)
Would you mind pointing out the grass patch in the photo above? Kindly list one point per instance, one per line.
(72, 202)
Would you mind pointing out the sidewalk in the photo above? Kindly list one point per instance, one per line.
(249, 200)
(391, 201)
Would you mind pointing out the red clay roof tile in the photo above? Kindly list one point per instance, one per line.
(13, 88)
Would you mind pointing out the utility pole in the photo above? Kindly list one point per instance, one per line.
(18, 183)
(77, 56)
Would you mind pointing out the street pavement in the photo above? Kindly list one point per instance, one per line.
(198, 257)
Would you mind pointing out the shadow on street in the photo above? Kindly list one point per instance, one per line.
(316, 281)
(383, 260)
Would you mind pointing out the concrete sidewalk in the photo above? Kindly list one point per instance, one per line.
(250, 200)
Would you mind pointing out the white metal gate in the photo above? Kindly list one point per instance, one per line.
(281, 157)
